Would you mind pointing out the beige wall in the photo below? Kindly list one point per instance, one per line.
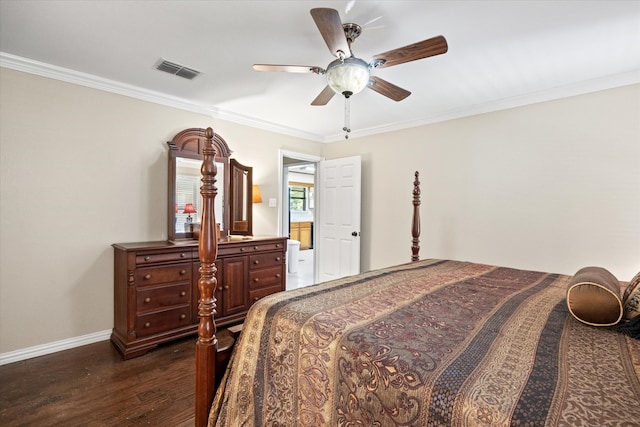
(552, 186)
(82, 169)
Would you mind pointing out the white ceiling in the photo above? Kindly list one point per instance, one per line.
(501, 54)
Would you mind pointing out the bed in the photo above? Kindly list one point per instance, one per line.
(427, 343)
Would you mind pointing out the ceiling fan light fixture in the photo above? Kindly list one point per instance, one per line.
(348, 76)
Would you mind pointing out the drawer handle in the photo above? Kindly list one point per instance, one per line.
(146, 325)
(278, 258)
(183, 255)
(147, 276)
(256, 299)
(183, 316)
(147, 258)
(147, 299)
(255, 248)
(183, 272)
(183, 293)
(226, 287)
(256, 262)
(277, 245)
(256, 280)
(278, 276)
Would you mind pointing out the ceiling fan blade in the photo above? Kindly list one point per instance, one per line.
(387, 89)
(289, 68)
(330, 26)
(324, 97)
(424, 49)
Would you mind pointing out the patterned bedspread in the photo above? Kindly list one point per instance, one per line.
(430, 343)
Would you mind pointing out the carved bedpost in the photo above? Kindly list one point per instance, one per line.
(206, 346)
(415, 224)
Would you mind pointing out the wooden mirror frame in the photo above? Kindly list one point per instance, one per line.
(190, 144)
(241, 199)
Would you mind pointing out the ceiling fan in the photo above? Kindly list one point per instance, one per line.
(348, 75)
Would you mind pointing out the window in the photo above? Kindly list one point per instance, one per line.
(297, 198)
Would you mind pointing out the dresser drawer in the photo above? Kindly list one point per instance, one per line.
(162, 321)
(268, 247)
(265, 277)
(158, 257)
(168, 274)
(266, 260)
(261, 293)
(152, 298)
(248, 248)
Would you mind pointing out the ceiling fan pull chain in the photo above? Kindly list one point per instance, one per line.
(347, 113)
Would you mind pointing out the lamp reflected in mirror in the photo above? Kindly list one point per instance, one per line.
(189, 209)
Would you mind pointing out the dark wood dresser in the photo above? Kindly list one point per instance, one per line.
(156, 287)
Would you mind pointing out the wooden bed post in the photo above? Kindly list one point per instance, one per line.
(415, 224)
(206, 346)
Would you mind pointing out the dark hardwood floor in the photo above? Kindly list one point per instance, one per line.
(93, 386)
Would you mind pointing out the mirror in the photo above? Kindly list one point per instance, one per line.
(188, 201)
(241, 195)
(184, 199)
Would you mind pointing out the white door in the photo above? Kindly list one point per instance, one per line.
(338, 239)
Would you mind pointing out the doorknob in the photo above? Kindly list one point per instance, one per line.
(354, 234)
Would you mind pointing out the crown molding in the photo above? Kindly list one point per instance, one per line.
(71, 76)
(88, 80)
(575, 89)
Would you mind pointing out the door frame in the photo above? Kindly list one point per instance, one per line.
(282, 183)
(283, 195)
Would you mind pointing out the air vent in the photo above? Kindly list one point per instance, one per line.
(176, 69)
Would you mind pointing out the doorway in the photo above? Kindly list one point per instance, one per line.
(298, 216)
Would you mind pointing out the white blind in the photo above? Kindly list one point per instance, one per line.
(187, 191)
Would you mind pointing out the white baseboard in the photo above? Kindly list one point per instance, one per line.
(53, 347)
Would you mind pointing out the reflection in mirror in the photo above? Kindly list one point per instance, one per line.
(187, 191)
